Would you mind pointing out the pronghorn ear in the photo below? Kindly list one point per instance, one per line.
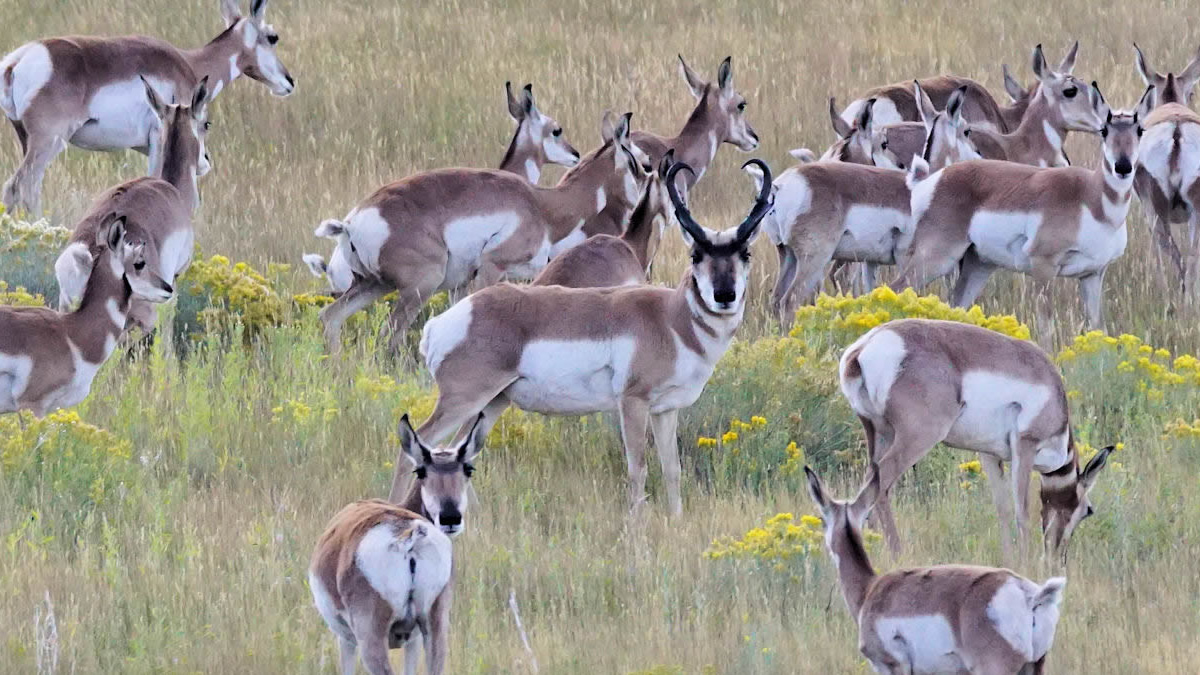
(200, 99)
(113, 232)
(924, 105)
(954, 106)
(1068, 63)
(608, 126)
(1149, 76)
(156, 104)
(867, 496)
(694, 82)
(840, 126)
(1189, 76)
(515, 109)
(1040, 70)
(725, 76)
(473, 444)
(863, 120)
(230, 12)
(1092, 471)
(621, 130)
(411, 445)
(316, 264)
(1099, 105)
(803, 155)
(816, 490)
(527, 98)
(1011, 87)
(258, 9)
(1146, 104)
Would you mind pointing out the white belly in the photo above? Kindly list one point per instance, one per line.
(120, 116)
(1003, 238)
(31, 70)
(871, 234)
(467, 239)
(572, 377)
(925, 642)
(994, 407)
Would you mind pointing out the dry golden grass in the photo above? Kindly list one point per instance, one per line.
(202, 568)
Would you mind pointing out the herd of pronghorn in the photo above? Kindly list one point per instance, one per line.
(934, 176)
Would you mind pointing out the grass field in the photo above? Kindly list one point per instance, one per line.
(168, 520)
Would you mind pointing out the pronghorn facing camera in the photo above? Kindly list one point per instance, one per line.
(915, 383)
(934, 620)
(644, 352)
(382, 574)
(87, 91)
(157, 210)
(1168, 170)
(1064, 222)
(538, 140)
(604, 260)
(48, 359)
(439, 230)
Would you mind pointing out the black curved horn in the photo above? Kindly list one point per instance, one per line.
(761, 205)
(681, 210)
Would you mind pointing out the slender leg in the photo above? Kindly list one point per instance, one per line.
(1091, 289)
(1002, 497)
(1044, 271)
(1168, 247)
(972, 278)
(870, 273)
(22, 135)
(408, 304)
(361, 293)
(412, 653)
(634, 413)
(347, 653)
(24, 189)
(665, 426)
(437, 641)
(1022, 464)
(783, 285)
(909, 444)
(370, 626)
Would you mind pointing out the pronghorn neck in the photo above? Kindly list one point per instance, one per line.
(855, 574)
(1116, 194)
(522, 157)
(218, 60)
(715, 331)
(640, 230)
(696, 144)
(574, 199)
(1014, 113)
(1042, 130)
(178, 165)
(412, 499)
(98, 322)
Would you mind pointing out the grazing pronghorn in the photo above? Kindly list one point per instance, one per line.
(915, 383)
(157, 209)
(896, 103)
(48, 359)
(845, 212)
(538, 140)
(1168, 170)
(644, 352)
(1063, 222)
(940, 619)
(86, 91)
(382, 574)
(439, 230)
(604, 260)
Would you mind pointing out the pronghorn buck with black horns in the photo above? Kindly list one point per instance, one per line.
(941, 619)
(440, 230)
(896, 102)
(644, 352)
(382, 574)
(604, 260)
(1168, 170)
(827, 211)
(157, 209)
(1063, 222)
(915, 383)
(48, 359)
(87, 91)
(538, 140)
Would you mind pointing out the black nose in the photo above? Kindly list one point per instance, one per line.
(167, 287)
(450, 516)
(1124, 167)
(291, 82)
(724, 295)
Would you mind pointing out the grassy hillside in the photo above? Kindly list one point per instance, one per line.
(166, 523)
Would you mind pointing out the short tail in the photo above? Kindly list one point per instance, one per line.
(332, 229)
(316, 265)
(803, 155)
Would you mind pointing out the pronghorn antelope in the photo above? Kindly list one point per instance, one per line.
(827, 211)
(47, 358)
(382, 574)
(644, 352)
(439, 230)
(1168, 171)
(915, 383)
(538, 140)
(620, 192)
(1063, 222)
(941, 619)
(157, 209)
(604, 260)
(896, 103)
(86, 91)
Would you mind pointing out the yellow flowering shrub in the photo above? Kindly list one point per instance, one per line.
(235, 292)
(778, 541)
(20, 297)
(27, 254)
(1183, 429)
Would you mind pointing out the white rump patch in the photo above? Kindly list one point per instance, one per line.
(881, 359)
(444, 332)
(384, 558)
(925, 642)
(32, 71)
(368, 231)
(793, 199)
(1009, 612)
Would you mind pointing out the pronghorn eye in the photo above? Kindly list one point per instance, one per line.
(883, 145)
(207, 126)
(1140, 130)
(966, 133)
(272, 39)
(468, 470)
(742, 106)
(1104, 132)
(1070, 92)
(420, 473)
(697, 257)
(557, 132)
(745, 254)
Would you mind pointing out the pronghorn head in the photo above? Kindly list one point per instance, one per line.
(843, 521)
(1065, 93)
(1172, 88)
(184, 127)
(128, 259)
(1121, 131)
(725, 107)
(1065, 501)
(257, 58)
(632, 163)
(443, 474)
(1017, 93)
(721, 260)
(854, 140)
(656, 203)
(947, 135)
(538, 131)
